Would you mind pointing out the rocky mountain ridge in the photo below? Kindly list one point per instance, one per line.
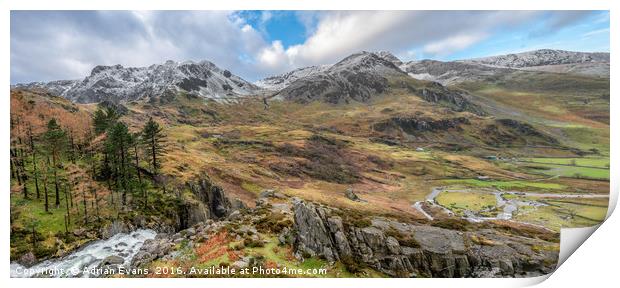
(279, 82)
(122, 84)
(355, 78)
(541, 57)
(478, 69)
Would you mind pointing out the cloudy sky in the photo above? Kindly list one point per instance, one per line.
(52, 45)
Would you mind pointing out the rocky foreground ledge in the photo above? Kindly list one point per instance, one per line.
(407, 250)
(389, 246)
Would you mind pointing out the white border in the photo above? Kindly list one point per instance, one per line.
(594, 263)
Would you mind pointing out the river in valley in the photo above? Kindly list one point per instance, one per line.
(506, 207)
(77, 264)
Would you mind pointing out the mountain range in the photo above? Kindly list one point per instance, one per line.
(117, 83)
(355, 78)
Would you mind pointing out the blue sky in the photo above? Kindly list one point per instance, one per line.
(589, 34)
(51, 45)
(285, 26)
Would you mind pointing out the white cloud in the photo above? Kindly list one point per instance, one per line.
(67, 45)
(453, 44)
(340, 33)
(273, 57)
(595, 32)
(49, 45)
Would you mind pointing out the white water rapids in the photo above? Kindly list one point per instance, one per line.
(77, 264)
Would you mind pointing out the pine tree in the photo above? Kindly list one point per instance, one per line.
(35, 172)
(137, 158)
(55, 139)
(118, 143)
(104, 119)
(153, 140)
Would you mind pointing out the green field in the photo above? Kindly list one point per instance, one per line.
(505, 184)
(564, 213)
(590, 162)
(457, 201)
(570, 171)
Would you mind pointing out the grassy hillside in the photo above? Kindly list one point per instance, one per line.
(317, 151)
(541, 133)
(573, 108)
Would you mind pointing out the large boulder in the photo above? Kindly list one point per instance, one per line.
(112, 260)
(212, 195)
(28, 259)
(209, 202)
(351, 195)
(153, 249)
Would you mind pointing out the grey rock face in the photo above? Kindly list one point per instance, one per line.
(119, 108)
(454, 99)
(313, 237)
(113, 229)
(430, 252)
(418, 125)
(271, 193)
(211, 195)
(210, 203)
(237, 204)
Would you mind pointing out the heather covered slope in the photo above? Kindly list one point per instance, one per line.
(392, 149)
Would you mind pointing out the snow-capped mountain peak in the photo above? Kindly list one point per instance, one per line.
(279, 82)
(117, 83)
(540, 58)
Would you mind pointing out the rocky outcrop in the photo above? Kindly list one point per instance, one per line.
(117, 107)
(456, 100)
(509, 132)
(209, 202)
(352, 196)
(212, 195)
(418, 125)
(522, 128)
(153, 249)
(389, 57)
(407, 250)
